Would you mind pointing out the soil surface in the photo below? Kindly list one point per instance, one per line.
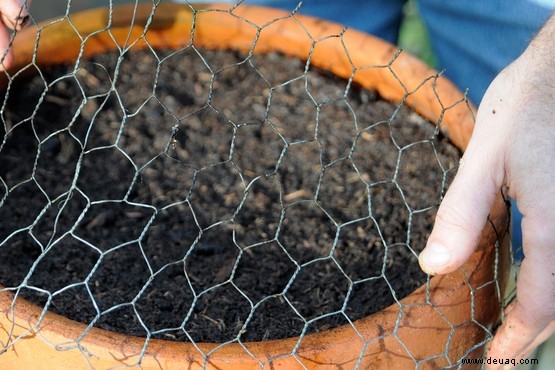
(212, 195)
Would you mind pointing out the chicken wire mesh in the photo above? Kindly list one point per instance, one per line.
(251, 196)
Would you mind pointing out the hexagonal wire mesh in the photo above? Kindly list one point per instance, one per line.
(209, 196)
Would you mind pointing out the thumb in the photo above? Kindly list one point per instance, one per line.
(464, 209)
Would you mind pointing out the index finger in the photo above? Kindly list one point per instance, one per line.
(532, 320)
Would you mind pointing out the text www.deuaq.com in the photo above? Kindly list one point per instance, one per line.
(500, 361)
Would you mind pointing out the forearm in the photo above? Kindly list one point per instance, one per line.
(545, 39)
(533, 73)
(540, 54)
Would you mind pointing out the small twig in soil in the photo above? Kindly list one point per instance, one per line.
(368, 136)
(249, 173)
(68, 149)
(218, 323)
(57, 100)
(356, 178)
(91, 79)
(298, 194)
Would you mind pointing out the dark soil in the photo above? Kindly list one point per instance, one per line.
(213, 196)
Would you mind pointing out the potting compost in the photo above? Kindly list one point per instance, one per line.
(213, 195)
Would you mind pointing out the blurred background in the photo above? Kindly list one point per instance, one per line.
(42, 10)
(413, 36)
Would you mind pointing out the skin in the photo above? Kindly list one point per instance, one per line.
(13, 15)
(513, 146)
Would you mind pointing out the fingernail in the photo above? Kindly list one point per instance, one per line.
(435, 256)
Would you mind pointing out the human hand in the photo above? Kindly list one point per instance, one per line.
(13, 15)
(513, 145)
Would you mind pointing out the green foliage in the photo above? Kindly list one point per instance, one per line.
(413, 36)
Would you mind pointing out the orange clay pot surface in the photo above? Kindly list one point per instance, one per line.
(433, 327)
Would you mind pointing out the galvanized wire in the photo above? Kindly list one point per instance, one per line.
(229, 159)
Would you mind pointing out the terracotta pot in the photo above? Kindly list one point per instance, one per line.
(433, 327)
